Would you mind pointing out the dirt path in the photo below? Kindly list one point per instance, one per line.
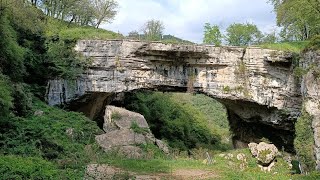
(181, 174)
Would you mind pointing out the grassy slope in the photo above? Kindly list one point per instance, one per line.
(40, 147)
(287, 46)
(63, 30)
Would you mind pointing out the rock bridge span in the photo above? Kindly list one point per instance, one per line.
(257, 86)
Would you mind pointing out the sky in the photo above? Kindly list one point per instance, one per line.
(185, 18)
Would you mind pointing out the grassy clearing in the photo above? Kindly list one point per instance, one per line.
(296, 47)
(222, 167)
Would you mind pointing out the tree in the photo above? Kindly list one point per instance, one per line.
(212, 34)
(153, 30)
(134, 35)
(300, 19)
(243, 34)
(270, 38)
(105, 10)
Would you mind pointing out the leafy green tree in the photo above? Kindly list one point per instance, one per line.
(153, 30)
(5, 96)
(270, 38)
(212, 34)
(243, 34)
(82, 13)
(134, 35)
(300, 19)
(104, 10)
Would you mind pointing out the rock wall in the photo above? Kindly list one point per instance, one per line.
(256, 85)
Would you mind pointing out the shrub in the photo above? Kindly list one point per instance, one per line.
(115, 116)
(314, 44)
(22, 99)
(5, 96)
(137, 129)
(16, 167)
(304, 141)
(183, 126)
(65, 62)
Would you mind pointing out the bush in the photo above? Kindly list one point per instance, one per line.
(183, 126)
(11, 53)
(46, 136)
(22, 99)
(5, 96)
(137, 129)
(16, 167)
(314, 44)
(304, 142)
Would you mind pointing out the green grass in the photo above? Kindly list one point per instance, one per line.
(296, 47)
(88, 33)
(223, 168)
(43, 139)
(63, 30)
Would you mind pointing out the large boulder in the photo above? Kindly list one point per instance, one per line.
(119, 138)
(124, 131)
(265, 153)
(120, 118)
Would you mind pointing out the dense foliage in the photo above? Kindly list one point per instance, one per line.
(243, 34)
(54, 135)
(153, 30)
(212, 34)
(304, 142)
(181, 124)
(300, 19)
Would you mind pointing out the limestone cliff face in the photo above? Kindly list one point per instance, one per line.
(256, 85)
(311, 92)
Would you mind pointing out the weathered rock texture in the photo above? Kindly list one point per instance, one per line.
(121, 135)
(311, 92)
(256, 85)
(265, 153)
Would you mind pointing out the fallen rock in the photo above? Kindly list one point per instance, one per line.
(120, 118)
(124, 131)
(263, 152)
(241, 157)
(119, 138)
(106, 172)
(132, 152)
(38, 113)
(70, 132)
(163, 146)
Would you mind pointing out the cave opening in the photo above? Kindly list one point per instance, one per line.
(246, 122)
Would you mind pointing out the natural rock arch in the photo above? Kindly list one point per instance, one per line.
(256, 85)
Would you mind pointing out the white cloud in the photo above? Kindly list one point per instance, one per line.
(185, 18)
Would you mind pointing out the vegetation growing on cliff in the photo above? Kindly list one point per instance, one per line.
(304, 142)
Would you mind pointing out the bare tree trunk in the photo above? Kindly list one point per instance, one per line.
(73, 17)
(98, 23)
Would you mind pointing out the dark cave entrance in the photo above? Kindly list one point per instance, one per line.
(248, 121)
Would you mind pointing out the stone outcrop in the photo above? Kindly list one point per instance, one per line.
(311, 92)
(124, 130)
(256, 85)
(265, 153)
